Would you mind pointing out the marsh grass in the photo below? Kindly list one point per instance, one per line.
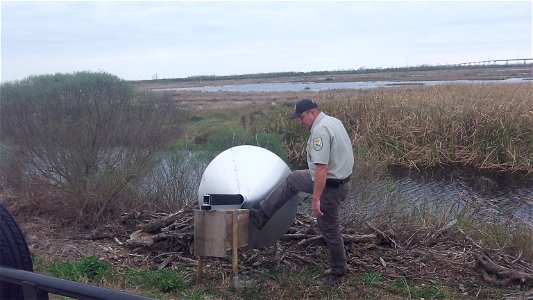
(488, 126)
(509, 236)
(88, 269)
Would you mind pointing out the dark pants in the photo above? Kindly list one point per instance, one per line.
(329, 223)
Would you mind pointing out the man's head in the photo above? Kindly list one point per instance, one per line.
(302, 106)
(306, 111)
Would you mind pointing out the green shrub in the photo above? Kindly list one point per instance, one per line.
(221, 138)
(86, 137)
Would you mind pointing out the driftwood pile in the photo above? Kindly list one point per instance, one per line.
(443, 253)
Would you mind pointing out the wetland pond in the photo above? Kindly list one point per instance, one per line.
(406, 191)
(318, 86)
(504, 196)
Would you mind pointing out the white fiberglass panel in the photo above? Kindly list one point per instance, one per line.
(250, 171)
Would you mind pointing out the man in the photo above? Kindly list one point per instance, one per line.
(330, 161)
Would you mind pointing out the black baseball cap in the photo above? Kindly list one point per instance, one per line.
(302, 106)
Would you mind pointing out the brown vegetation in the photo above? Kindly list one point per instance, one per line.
(488, 126)
(485, 126)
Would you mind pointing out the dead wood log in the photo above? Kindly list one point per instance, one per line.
(186, 222)
(186, 259)
(310, 240)
(500, 275)
(98, 236)
(471, 240)
(140, 238)
(172, 235)
(303, 259)
(296, 236)
(433, 238)
(101, 233)
(359, 238)
(348, 238)
(165, 221)
(176, 257)
(166, 262)
(118, 241)
(385, 238)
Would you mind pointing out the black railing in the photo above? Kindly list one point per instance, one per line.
(36, 287)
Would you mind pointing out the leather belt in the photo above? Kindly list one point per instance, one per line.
(332, 182)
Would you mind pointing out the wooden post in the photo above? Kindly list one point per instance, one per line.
(200, 270)
(235, 248)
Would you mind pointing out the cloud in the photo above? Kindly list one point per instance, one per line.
(136, 40)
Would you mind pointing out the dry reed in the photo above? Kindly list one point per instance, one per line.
(487, 126)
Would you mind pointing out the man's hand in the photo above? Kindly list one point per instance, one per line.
(320, 182)
(315, 207)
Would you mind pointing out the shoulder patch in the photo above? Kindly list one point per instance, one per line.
(317, 144)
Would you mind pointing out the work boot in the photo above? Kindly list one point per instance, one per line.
(258, 218)
(332, 279)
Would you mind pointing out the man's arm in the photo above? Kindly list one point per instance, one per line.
(321, 174)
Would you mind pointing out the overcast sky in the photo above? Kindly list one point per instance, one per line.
(144, 40)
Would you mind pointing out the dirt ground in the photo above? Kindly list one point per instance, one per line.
(442, 256)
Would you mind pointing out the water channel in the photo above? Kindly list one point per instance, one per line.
(403, 192)
(447, 189)
(318, 86)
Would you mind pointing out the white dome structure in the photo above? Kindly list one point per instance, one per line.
(252, 172)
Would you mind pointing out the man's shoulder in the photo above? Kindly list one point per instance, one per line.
(329, 120)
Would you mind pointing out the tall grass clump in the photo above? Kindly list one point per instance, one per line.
(486, 126)
(292, 135)
(216, 138)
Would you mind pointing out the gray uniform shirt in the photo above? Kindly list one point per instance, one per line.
(330, 144)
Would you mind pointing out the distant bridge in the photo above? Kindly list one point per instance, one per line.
(498, 61)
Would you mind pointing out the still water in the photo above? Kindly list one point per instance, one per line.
(318, 86)
(397, 193)
(512, 199)
(403, 191)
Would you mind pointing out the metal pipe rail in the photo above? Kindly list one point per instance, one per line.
(36, 287)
